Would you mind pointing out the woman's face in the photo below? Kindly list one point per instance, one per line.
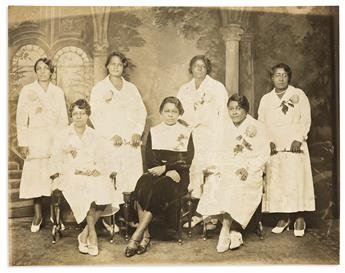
(236, 113)
(199, 70)
(170, 113)
(280, 79)
(115, 67)
(79, 117)
(43, 72)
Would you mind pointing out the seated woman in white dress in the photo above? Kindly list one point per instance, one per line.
(80, 158)
(169, 154)
(242, 155)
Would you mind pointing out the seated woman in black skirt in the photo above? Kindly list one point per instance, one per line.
(169, 153)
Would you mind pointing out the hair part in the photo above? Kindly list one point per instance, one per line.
(47, 61)
(81, 104)
(241, 100)
(284, 66)
(174, 101)
(203, 58)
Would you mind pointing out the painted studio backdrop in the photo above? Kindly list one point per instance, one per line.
(242, 43)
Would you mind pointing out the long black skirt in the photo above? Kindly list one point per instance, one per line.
(153, 193)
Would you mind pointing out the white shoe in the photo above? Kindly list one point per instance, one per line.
(223, 243)
(236, 239)
(82, 247)
(36, 228)
(195, 220)
(278, 230)
(109, 228)
(92, 249)
(298, 232)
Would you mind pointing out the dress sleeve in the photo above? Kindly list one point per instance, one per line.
(22, 119)
(262, 117)
(303, 125)
(63, 118)
(96, 106)
(151, 160)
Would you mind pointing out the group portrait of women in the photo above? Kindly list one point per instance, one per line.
(206, 143)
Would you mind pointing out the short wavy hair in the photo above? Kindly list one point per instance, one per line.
(121, 56)
(47, 61)
(283, 66)
(174, 101)
(81, 104)
(241, 100)
(203, 58)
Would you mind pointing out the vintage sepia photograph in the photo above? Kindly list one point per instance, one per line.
(173, 135)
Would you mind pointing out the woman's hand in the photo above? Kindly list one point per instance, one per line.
(242, 173)
(95, 173)
(136, 140)
(157, 171)
(24, 151)
(273, 148)
(174, 175)
(296, 146)
(117, 140)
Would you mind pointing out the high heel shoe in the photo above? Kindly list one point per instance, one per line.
(144, 245)
(299, 232)
(278, 230)
(35, 228)
(130, 251)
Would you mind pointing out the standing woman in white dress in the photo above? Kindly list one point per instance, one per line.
(119, 114)
(41, 113)
(243, 152)
(204, 101)
(286, 113)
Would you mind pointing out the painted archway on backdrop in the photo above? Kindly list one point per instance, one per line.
(73, 73)
(22, 63)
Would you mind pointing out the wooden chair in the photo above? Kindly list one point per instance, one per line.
(57, 197)
(184, 199)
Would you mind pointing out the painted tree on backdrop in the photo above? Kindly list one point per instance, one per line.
(199, 24)
(124, 35)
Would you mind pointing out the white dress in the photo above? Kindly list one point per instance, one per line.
(204, 111)
(81, 190)
(289, 178)
(120, 112)
(40, 115)
(246, 147)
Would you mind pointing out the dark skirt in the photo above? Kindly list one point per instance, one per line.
(153, 193)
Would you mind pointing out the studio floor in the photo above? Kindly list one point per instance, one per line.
(319, 246)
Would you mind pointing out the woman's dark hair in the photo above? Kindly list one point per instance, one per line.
(241, 100)
(283, 66)
(81, 104)
(172, 100)
(203, 58)
(117, 54)
(47, 62)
